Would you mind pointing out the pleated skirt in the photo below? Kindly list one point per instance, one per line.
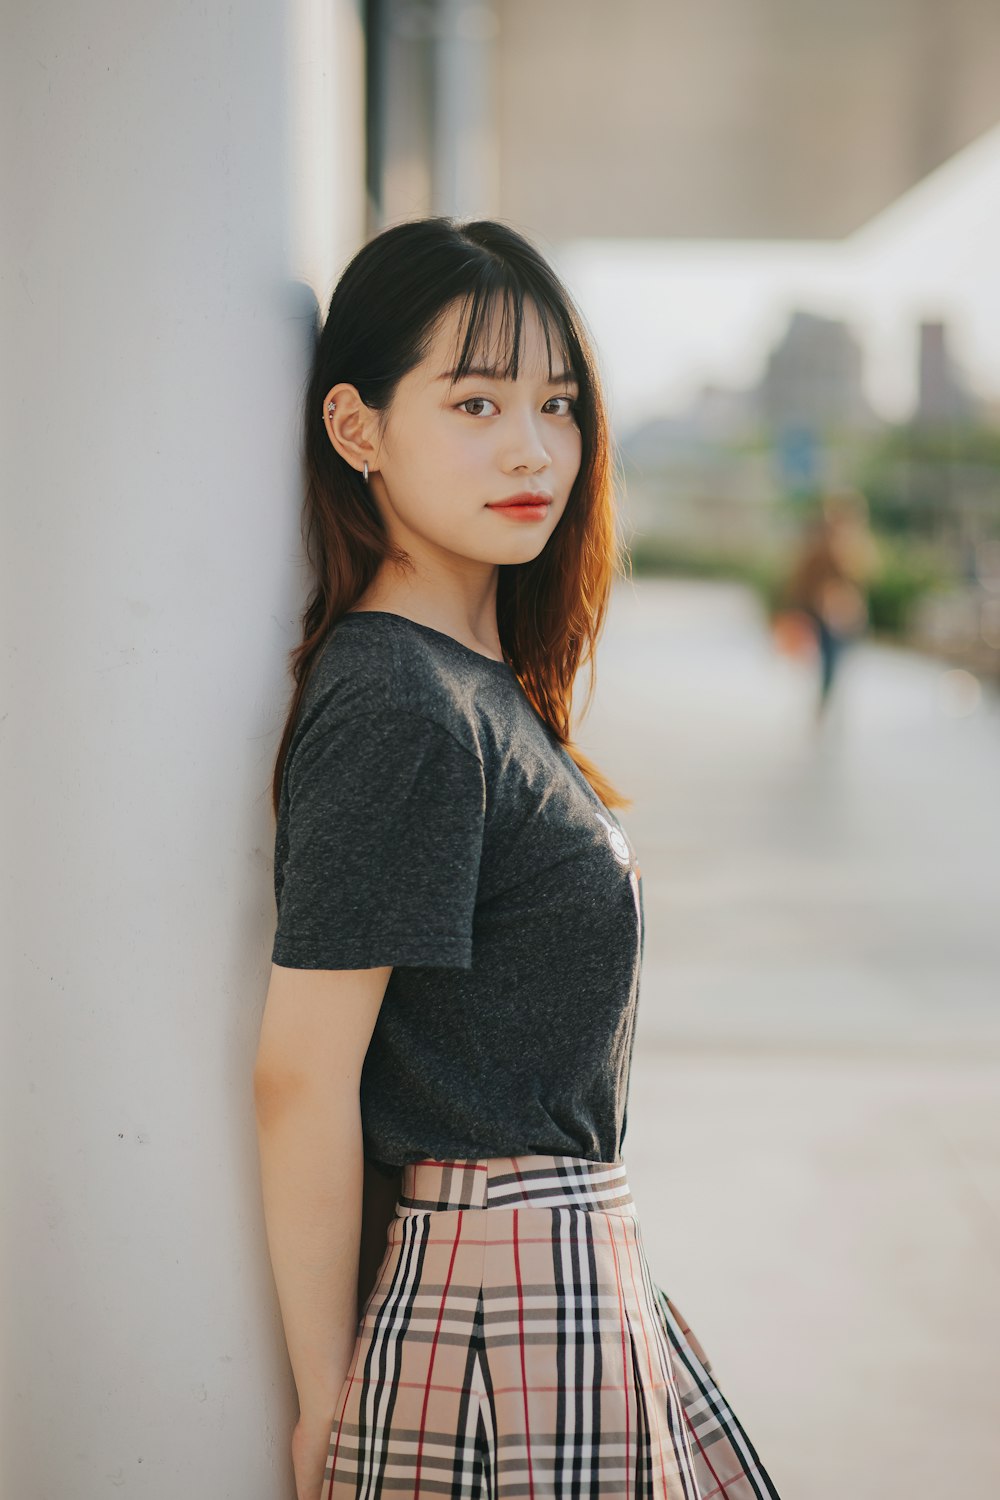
(515, 1345)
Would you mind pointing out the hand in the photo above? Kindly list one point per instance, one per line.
(310, 1446)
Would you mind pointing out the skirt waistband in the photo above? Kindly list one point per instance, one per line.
(514, 1182)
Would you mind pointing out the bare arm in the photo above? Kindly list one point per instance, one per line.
(315, 1032)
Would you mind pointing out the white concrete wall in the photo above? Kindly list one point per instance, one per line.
(169, 181)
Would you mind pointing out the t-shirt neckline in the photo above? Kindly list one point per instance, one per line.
(442, 635)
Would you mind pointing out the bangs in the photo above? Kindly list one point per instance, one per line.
(493, 340)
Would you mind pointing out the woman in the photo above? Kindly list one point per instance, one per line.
(442, 1075)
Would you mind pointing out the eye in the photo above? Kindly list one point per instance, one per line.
(570, 400)
(471, 401)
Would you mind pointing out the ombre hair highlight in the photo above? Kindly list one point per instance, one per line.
(384, 311)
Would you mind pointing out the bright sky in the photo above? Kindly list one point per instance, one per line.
(669, 316)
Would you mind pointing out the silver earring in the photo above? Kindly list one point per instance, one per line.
(330, 408)
(366, 471)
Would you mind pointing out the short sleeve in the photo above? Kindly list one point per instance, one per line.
(385, 814)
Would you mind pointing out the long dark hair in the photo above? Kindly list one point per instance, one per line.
(382, 315)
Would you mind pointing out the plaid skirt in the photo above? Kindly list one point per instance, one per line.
(514, 1344)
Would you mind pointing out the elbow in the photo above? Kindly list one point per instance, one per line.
(269, 1088)
(274, 1093)
(278, 1092)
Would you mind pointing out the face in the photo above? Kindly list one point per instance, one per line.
(448, 451)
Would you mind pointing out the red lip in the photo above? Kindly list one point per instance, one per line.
(526, 497)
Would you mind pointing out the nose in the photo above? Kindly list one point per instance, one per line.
(524, 443)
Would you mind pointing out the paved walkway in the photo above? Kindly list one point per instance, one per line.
(814, 1127)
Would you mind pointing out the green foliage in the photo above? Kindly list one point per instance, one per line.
(909, 570)
(930, 491)
(917, 478)
(944, 444)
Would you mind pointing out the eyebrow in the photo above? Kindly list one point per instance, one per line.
(563, 378)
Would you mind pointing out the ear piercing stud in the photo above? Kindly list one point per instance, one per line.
(330, 411)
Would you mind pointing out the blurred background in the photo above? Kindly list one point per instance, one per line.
(781, 221)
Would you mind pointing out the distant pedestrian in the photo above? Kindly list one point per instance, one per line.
(835, 560)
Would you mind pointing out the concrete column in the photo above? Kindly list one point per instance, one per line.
(466, 170)
(172, 199)
(439, 147)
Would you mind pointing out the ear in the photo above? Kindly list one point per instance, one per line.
(350, 426)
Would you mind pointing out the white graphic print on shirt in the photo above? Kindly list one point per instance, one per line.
(619, 844)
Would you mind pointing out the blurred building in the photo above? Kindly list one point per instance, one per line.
(942, 394)
(813, 378)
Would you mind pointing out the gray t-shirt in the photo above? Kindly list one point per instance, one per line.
(429, 819)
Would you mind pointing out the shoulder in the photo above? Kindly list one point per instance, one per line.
(378, 675)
